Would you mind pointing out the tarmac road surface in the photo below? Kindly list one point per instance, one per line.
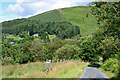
(93, 72)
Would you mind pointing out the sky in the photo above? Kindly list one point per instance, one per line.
(14, 9)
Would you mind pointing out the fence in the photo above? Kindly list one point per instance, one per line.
(22, 70)
(28, 68)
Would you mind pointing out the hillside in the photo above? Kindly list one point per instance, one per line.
(53, 15)
(75, 15)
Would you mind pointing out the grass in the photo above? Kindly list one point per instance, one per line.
(20, 70)
(67, 70)
(36, 69)
(53, 15)
(17, 38)
(107, 73)
(77, 16)
(51, 37)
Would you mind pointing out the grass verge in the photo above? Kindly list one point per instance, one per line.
(34, 70)
(67, 70)
(107, 73)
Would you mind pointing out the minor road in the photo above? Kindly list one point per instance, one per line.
(93, 72)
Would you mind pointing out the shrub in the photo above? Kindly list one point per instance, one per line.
(111, 65)
(68, 52)
(7, 60)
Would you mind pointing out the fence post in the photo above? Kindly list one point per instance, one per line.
(52, 63)
(64, 60)
(61, 61)
(48, 65)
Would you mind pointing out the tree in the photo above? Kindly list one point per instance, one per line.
(23, 55)
(55, 44)
(108, 15)
(31, 31)
(88, 50)
(68, 52)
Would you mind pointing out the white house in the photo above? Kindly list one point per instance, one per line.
(35, 35)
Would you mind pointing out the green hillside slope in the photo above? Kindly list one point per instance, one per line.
(53, 15)
(75, 15)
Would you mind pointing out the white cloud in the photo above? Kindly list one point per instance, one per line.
(63, 3)
(20, 1)
(26, 8)
(15, 9)
(5, 18)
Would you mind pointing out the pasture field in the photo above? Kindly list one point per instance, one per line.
(17, 38)
(21, 70)
(53, 15)
(77, 16)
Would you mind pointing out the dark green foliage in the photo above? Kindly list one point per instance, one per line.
(45, 37)
(60, 29)
(23, 53)
(108, 47)
(26, 39)
(53, 46)
(7, 50)
(88, 50)
(107, 14)
(53, 15)
(7, 60)
(111, 65)
(68, 52)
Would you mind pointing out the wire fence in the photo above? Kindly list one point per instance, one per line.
(29, 68)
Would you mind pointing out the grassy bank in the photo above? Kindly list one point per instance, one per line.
(107, 73)
(69, 69)
(77, 16)
(23, 70)
(35, 70)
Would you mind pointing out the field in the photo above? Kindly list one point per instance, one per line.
(51, 37)
(21, 71)
(47, 16)
(17, 38)
(76, 15)
(69, 69)
(79, 15)
(107, 73)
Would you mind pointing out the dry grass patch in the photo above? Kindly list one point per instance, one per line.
(35, 69)
(67, 70)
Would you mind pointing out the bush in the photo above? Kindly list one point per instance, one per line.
(7, 60)
(68, 52)
(111, 65)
